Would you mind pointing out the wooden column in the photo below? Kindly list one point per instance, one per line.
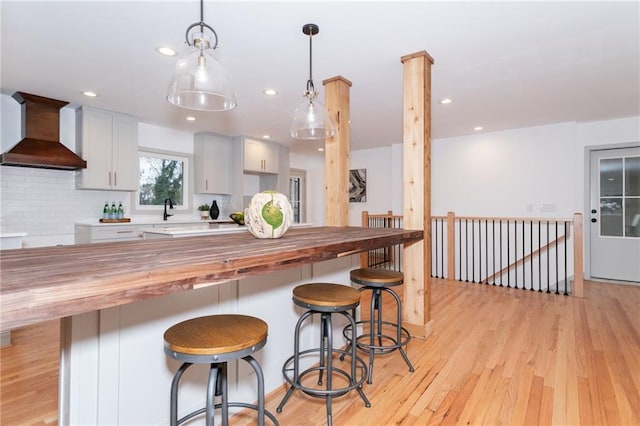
(336, 153)
(416, 111)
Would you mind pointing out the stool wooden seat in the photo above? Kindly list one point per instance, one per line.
(324, 295)
(376, 277)
(374, 339)
(216, 335)
(326, 300)
(214, 340)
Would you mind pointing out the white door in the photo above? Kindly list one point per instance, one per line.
(615, 214)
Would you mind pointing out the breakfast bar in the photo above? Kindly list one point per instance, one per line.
(116, 299)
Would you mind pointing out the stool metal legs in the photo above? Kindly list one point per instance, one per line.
(217, 387)
(293, 375)
(374, 341)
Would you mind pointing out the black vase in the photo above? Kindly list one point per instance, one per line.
(214, 211)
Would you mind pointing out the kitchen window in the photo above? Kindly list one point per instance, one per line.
(163, 176)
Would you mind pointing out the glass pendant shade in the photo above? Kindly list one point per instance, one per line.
(200, 81)
(311, 121)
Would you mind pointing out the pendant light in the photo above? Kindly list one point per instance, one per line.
(200, 81)
(311, 120)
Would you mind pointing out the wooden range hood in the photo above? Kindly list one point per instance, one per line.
(41, 146)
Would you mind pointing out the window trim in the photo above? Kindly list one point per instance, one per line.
(187, 189)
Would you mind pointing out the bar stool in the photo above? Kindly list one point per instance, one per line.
(374, 340)
(215, 340)
(326, 300)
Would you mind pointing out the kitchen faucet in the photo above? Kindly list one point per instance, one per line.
(166, 215)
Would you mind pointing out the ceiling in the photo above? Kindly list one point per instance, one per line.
(504, 64)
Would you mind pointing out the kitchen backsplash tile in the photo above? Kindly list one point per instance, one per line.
(45, 204)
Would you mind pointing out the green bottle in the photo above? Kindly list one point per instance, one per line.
(113, 214)
(120, 211)
(105, 210)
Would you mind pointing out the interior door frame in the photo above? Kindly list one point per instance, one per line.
(586, 214)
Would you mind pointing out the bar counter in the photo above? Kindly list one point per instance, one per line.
(40, 284)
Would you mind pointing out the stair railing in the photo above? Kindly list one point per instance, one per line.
(537, 254)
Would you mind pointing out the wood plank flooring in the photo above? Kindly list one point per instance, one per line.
(29, 376)
(495, 356)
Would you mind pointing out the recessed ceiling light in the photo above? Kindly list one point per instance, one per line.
(90, 93)
(266, 137)
(166, 51)
(321, 149)
(190, 118)
(446, 101)
(270, 92)
(477, 128)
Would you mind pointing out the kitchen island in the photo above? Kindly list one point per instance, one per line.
(118, 298)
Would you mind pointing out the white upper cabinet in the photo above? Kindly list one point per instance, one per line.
(260, 157)
(212, 164)
(109, 144)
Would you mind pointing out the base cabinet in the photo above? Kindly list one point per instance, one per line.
(109, 144)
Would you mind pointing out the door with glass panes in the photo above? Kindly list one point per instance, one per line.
(615, 214)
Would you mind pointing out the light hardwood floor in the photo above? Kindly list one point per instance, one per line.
(495, 356)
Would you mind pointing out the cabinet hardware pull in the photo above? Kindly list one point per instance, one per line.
(125, 232)
(115, 178)
(206, 184)
(109, 178)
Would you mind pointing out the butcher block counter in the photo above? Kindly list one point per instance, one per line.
(40, 284)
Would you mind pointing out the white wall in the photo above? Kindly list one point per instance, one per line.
(505, 173)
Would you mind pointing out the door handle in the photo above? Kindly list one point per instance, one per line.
(594, 220)
(593, 211)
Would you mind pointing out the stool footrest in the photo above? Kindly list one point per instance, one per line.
(381, 348)
(288, 372)
(232, 405)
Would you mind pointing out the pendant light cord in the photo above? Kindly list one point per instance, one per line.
(310, 88)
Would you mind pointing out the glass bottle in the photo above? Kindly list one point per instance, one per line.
(120, 211)
(105, 210)
(113, 214)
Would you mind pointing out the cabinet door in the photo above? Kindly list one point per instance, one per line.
(213, 159)
(95, 132)
(260, 157)
(125, 153)
(270, 158)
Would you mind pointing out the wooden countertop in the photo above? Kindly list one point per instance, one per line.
(40, 284)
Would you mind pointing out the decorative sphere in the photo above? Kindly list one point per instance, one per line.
(269, 215)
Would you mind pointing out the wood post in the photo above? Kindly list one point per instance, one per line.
(336, 153)
(578, 266)
(451, 246)
(416, 112)
(364, 256)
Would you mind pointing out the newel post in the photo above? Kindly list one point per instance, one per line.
(451, 246)
(364, 256)
(578, 264)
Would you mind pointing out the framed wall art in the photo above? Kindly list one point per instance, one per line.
(357, 185)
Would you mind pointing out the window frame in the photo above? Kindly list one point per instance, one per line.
(187, 187)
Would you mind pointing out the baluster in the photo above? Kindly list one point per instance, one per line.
(473, 251)
(508, 255)
(486, 250)
(566, 243)
(548, 269)
(524, 280)
(531, 251)
(500, 252)
(557, 250)
(539, 256)
(493, 240)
